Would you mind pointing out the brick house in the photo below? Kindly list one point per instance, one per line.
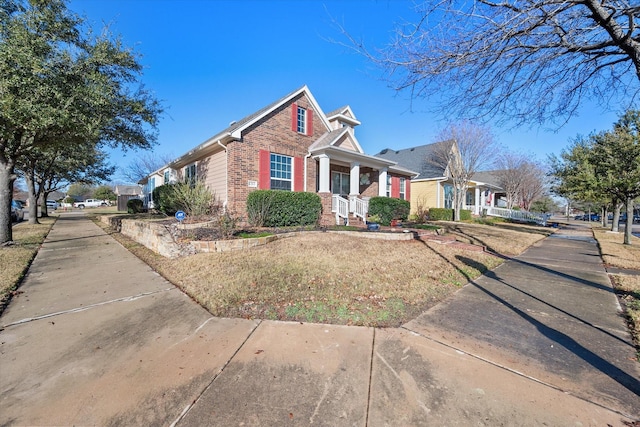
(290, 145)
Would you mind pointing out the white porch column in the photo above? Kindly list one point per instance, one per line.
(478, 205)
(354, 179)
(325, 176)
(483, 199)
(382, 182)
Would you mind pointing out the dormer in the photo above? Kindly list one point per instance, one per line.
(342, 117)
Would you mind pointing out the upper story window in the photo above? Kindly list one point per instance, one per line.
(403, 191)
(167, 176)
(281, 172)
(301, 126)
(190, 175)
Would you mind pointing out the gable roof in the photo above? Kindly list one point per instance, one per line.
(235, 129)
(344, 114)
(418, 159)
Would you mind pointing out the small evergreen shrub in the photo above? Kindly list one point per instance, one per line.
(135, 206)
(441, 214)
(276, 208)
(388, 208)
(163, 199)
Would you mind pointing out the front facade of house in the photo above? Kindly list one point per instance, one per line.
(433, 188)
(289, 145)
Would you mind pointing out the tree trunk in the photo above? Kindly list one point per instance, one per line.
(33, 199)
(616, 217)
(629, 224)
(7, 177)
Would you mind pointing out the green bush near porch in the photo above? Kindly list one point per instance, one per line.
(442, 214)
(277, 208)
(388, 208)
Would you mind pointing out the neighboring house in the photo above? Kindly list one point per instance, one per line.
(432, 186)
(289, 145)
(126, 192)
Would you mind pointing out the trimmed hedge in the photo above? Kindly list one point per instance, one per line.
(388, 208)
(442, 214)
(277, 208)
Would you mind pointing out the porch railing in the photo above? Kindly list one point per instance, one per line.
(524, 216)
(359, 207)
(340, 206)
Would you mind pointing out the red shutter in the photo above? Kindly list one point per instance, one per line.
(395, 187)
(309, 121)
(407, 188)
(298, 174)
(265, 170)
(294, 117)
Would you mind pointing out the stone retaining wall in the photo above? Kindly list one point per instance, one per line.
(158, 237)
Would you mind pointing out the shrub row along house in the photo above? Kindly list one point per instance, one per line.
(293, 145)
(290, 145)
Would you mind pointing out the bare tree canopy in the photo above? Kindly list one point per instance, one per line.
(472, 149)
(517, 61)
(522, 178)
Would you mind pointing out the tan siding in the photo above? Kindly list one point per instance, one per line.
(213, 171)
(346, 144)
(424, 193)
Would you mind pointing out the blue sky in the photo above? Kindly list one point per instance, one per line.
(215, 61)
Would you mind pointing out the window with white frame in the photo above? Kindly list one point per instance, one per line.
(167, 176)
(190, 174)
(388, 185)
(403, 191)
(302, 121)
(281, 172)
(340, 183)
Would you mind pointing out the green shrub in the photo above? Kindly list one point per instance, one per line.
(163, 199)
(276, 208)
(195, 199)
(135, 206)
(465, 215)
(442, 214)
(388, 208)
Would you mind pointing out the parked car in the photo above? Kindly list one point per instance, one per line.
(579, 217)
(52, 204)
(592, 217)
(17, 214)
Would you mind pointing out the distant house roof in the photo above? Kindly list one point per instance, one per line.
(128, 190)
(419, 159)
(487, 177)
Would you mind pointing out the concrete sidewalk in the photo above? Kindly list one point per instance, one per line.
(98, 338)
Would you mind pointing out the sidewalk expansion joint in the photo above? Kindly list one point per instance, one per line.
(516, 372)
(86, 307)
(187, 408)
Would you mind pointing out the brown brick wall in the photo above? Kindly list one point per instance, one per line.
(272, 133)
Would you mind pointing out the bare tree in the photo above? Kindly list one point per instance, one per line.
(473, 148)
(534, 186)
(516, 61)
(521, 177)
(143, 165)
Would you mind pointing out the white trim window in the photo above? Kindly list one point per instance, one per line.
(191, 174)
(388, 185)
(403, 189)
(281, 172)
(301, 126)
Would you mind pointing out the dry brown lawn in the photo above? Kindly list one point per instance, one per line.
(335, 278)
(16, 258)
(614, 252)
